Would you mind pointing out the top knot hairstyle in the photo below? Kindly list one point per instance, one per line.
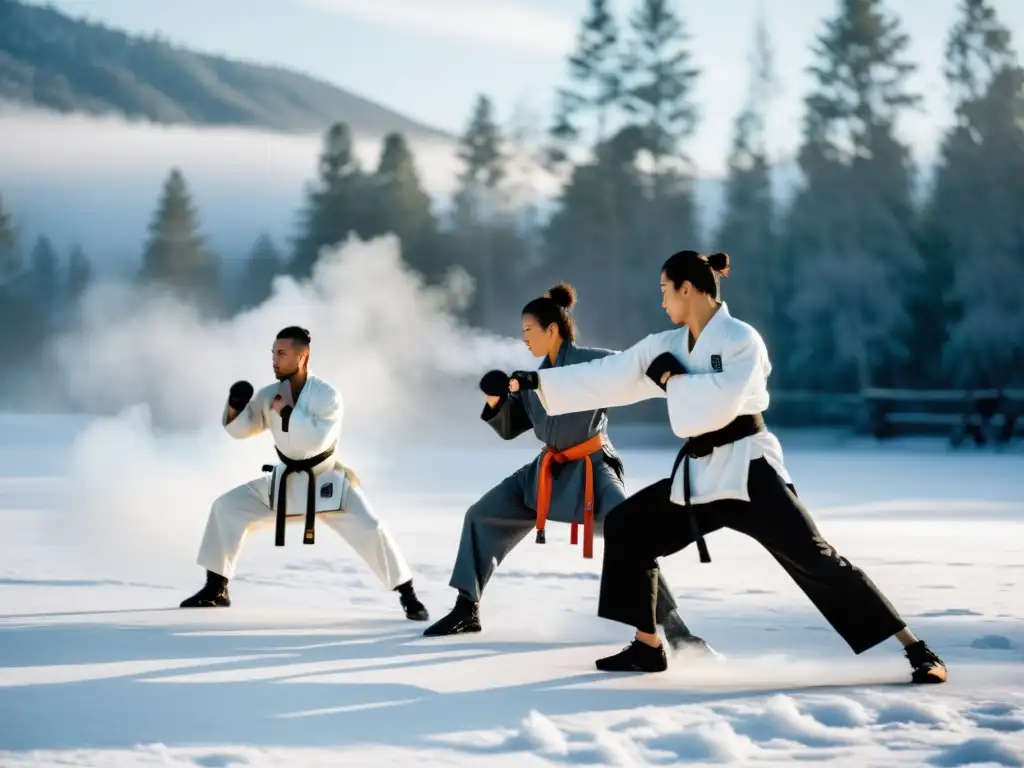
(703, 272)
(296, 335)
(554, 308)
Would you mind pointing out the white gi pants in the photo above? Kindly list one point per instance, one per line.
(247, 508)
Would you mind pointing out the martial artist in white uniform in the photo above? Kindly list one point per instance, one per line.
(303, 413)
(713, 371)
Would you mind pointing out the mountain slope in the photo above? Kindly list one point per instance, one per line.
(50, 60)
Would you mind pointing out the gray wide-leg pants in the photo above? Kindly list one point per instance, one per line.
(500, 519)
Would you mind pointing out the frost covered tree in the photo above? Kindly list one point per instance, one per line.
(850, 242)
(595, 81)
(175, 255)
(336, 203)
(974, 222)
(748, 226)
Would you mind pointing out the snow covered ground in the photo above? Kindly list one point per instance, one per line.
(315, 666)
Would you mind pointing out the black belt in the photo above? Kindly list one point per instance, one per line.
(294, 466)
(702, 445)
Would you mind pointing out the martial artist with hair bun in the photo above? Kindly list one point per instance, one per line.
(577, 478)
(729, 473)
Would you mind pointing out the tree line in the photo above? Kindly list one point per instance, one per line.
(855, 281)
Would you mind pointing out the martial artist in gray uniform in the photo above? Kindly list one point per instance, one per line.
(500, 519)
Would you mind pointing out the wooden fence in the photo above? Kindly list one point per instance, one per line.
(982, 416)
(978, 416)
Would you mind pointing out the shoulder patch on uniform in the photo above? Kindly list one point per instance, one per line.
(326, 490)
(716, 363)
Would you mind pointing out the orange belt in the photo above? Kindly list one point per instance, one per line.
(577, 452)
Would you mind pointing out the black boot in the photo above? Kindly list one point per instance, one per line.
(464, 617)
(635, 657)
(928, 668)
(213, 595)
(414, 609)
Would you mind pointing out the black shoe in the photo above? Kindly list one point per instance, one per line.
(928, 668)
(214, 594)
(464, 617)
(414, 609)
(635, 657)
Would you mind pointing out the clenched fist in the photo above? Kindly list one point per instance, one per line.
(239, 395)
(663, 368)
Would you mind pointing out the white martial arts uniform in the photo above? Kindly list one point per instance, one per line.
(727, 377)
(313, 427)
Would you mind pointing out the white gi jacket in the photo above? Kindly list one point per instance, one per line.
(313, 426)
(728, 376)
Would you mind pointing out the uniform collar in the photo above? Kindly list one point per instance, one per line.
(716, 319)
(559, 358)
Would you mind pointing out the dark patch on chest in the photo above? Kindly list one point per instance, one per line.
(326, 490)
(716, 363)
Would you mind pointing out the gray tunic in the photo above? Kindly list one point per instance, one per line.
(506, 514)
(522, 411)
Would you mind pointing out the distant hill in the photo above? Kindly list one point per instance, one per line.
(50, 60)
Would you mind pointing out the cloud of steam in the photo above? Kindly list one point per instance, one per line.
(404, 365)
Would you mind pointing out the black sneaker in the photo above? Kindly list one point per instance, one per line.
(928, 668)
(463, 618)
(635, 657)
(414, 609)
(214, 594)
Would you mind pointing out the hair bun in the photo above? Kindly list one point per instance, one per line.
(720, 263)
(563, 294)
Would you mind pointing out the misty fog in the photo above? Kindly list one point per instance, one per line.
(96, 180)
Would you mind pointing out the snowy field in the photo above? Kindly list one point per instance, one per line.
(314, 664)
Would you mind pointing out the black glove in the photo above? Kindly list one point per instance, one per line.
(662, 364)
(495, 383)
(239, 395)
(527, 379)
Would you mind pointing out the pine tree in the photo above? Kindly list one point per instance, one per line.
(483, 163)
(402, 207)
(263, 265)
(659, 79)
(33, 297)
(480, 226)
(10, 264)
(658, 82)
(13, 309)
(43, 273)
(593, 237)
(850, 233)
(595, 73)
(337, 204)
(979, 48)
(972, 226)
(563, 132)
(79, 274)
(175, 255)
(748, 225)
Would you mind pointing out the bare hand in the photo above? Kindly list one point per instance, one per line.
(513, 385)
(493, 401)
(665, 377)
(277, 404)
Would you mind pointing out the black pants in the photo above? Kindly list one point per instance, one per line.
(648, 525)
